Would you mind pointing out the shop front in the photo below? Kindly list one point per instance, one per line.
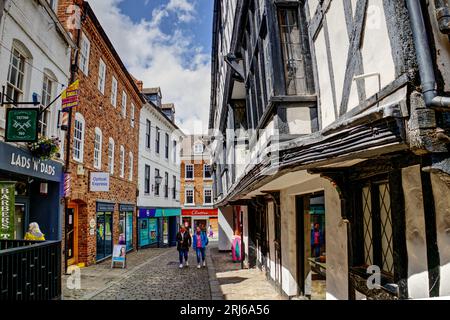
(147, 228)
(207, 219)
(169, 220)
(126, 213)
(158, 226)
(32, 188)
(104, 213)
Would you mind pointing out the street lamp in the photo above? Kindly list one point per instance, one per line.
(158, 179)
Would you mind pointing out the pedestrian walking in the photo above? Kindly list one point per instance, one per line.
(183, 243)
(210, 231)
(199, 243)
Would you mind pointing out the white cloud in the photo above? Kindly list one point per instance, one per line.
(160, 59)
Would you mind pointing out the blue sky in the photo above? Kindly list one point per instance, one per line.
(167, 44)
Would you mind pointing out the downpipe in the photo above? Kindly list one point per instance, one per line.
(424, 57)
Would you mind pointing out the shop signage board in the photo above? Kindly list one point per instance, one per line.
(7, 205)
(119, 255)
(70, 96)
(99, 182)
(20, 161)
(199, 212)
(22, 125)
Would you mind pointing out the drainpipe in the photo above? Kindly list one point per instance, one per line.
(443, 15)
(424, 57)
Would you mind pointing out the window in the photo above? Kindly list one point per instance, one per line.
(166, 185)
(166, 148)
(156, 184)
(198, 148)
(147, 180)
(189, 171)
(111, 146)
(132, 115)
(157, 139)
(101, 76)
(124, 104)
(148, 132)
(174, 150)
(207, 171)
(114, 92)
(122, 162)
(131, 166)
(189, 196)
(377, 226)
(85, 48)
(207, 196)
(294, 62)
(16, 76)
(78, 138)
(98, 149)
(47, 91)
(174, 190)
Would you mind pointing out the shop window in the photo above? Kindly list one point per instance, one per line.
(98, 149)
(189, 171)
(114, 92)
(101, 76)
(85, 48)
(377, 227)
(111, 147)
(78, 138)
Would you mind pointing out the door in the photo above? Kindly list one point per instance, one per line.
(21, 217)
(72, 234)
(104, 235)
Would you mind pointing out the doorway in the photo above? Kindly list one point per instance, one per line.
(21, 217)
(311, 249)
(104, 235)
(72, 234)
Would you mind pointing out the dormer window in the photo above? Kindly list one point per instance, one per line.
(198, 148)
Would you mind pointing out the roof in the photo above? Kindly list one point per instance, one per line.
(167, 106)
(151, 90)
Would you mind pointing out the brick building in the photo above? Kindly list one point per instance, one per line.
(103, 144)
(197, 184)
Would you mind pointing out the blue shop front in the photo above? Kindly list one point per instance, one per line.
(158, 227)
(35, 193)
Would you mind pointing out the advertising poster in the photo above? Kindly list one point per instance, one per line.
(129, 231)
(153, 230)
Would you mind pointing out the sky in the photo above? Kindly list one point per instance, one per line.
(167, 44)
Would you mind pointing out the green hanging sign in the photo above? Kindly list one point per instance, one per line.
(22, 125)
(7, 205)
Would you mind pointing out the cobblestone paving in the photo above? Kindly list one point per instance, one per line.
(97, 277)
(161, 279)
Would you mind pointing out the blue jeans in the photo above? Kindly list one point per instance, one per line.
(200, 254)
(183, 253)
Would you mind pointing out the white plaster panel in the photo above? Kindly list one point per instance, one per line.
(301, 123)
(225, 228)
(326, 93)
(376, 49)
(441, 192)
(415, 233)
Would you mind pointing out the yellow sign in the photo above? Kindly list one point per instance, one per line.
(70, 96)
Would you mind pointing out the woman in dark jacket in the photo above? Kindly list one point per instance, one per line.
(184, 241)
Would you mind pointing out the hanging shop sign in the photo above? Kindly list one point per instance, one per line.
(7, 205)
(20, 161)
(70, 96)
(22, 125)
(99, 182)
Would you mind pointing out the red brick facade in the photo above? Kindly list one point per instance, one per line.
(97, 111)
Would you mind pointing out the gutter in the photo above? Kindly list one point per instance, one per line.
(424, 57)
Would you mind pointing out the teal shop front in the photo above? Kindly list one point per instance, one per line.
(168, 221)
